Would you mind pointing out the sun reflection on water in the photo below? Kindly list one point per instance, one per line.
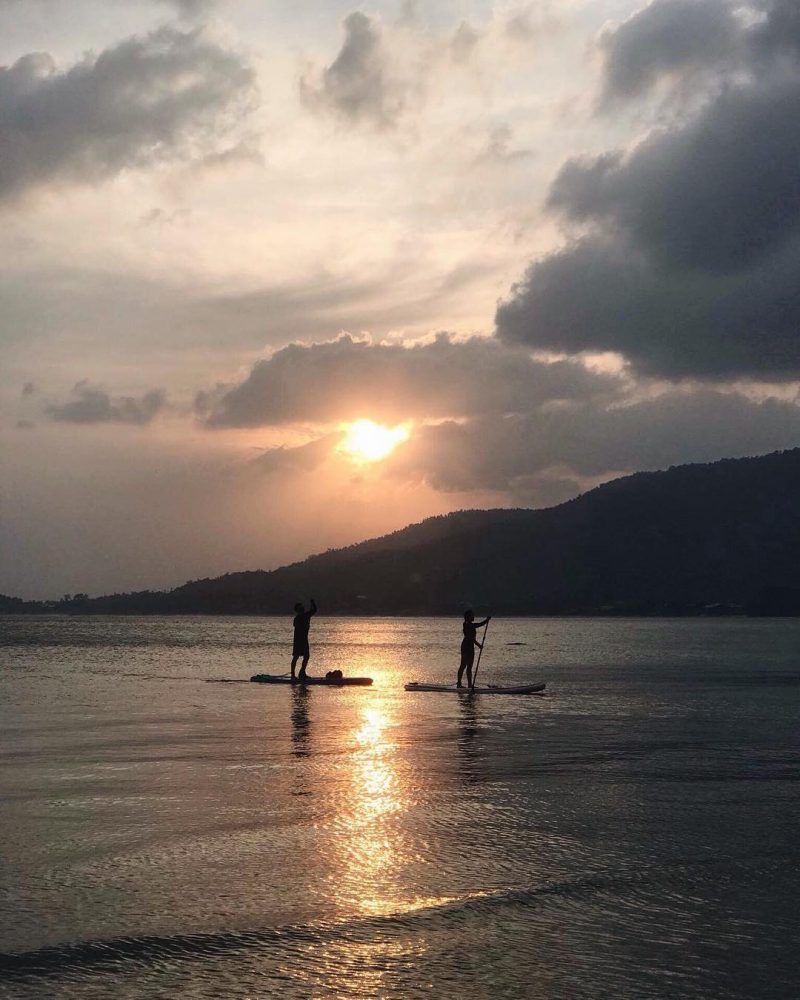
(375, 795)
(374, 849)
(355, 759)
(376, 845)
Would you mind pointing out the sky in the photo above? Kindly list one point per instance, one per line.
(538, 244)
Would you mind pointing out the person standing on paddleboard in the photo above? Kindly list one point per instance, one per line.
(302, 623)
(468, 644)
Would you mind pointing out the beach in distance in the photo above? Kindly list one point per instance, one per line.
(631, 834)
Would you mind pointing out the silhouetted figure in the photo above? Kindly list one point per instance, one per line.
(468, 644)
(302, 623)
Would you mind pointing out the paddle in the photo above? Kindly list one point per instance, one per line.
(477, 665)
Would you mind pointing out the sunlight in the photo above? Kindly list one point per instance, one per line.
(366, 441)
(368, 842)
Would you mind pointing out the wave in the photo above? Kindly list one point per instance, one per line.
(84, 957)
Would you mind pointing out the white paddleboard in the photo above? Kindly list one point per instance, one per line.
(489, 689)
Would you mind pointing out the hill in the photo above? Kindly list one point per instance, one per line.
(715, 538)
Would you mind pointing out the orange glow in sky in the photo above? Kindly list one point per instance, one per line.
(366, 441)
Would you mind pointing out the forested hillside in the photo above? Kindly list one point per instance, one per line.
(717, 538)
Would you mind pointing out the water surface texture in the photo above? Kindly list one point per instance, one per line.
(633, 834)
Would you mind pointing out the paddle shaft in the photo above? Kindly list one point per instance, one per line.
(477, 665)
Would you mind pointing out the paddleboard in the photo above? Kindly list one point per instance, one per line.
(489, 689)
(327, 681)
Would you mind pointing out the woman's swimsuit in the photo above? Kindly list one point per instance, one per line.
(468, 642)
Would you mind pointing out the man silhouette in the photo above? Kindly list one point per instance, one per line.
(302, 623)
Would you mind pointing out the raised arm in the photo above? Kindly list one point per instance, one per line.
(484, 622)
(313, 608)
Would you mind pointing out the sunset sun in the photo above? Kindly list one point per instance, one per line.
(366, 441)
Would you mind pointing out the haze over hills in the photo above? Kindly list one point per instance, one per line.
(722, 537)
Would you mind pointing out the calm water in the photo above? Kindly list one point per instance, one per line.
(633, 834)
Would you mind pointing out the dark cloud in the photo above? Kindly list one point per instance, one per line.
(700, 43)
(357, 86)
(778, 33)
(149, 98)
(692, 259)
(346, 379)
(667, 37)
(587, 442)
(93, 405)
(714, 195)
(604, 294)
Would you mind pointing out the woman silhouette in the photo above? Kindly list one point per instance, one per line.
(468, 644)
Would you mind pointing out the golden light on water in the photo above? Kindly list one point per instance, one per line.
(366, 441)
(367, 849)
(377, 796)
(361, 779)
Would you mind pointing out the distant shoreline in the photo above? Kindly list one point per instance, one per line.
(715, 540)
(48, 613)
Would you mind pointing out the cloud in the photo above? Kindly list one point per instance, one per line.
(530, 22)
(603, 294)
(712, 42)
(463, 42)
(358, 85)
(244, 152)
(666, 37)
(778, 33)
(346, 379)
(95, 305)
(301, 458)
(385, 71)
(588, 442)
(500, 148)
(93, 405)
(168, 94)
(188, 9)
(715, 195)
(315, 306)
(691, 246)
(192, 8)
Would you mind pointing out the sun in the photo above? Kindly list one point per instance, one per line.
(366, 441)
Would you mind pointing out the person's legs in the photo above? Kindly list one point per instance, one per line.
(306, 658)
(466, 664)
(295, 658)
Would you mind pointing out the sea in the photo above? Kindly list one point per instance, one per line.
(170, 830)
